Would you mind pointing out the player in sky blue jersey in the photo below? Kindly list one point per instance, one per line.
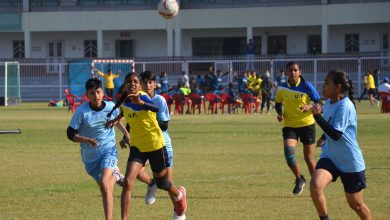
(341, 155)
(98, 147)
(148, 83)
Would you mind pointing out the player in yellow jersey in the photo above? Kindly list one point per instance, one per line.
(371, 89)
(109, 78)
(147, 143)
(296, 95)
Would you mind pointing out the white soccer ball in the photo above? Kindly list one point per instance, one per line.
(168, 8)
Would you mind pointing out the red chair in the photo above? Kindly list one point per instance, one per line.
(169, 100)
(213, 100)
(73, 101)
(197, 101)
(226, 101)
(247, 102)
(180, 101)
(385, 108)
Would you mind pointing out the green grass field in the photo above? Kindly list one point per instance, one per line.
(232, 166)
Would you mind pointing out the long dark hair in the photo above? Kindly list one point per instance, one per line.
(341, 77)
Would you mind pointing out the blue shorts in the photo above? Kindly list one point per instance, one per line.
(108, 158)
(170, 158)
(352, 182)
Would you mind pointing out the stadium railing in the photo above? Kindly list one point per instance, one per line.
(41, 80)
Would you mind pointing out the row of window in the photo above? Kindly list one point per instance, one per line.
(208, 46)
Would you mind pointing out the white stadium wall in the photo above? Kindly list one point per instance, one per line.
(149, 30)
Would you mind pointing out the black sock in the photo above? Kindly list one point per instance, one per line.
(151, 182)
(325, 217)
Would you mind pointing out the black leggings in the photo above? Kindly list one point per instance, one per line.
(266, 97)
(364, 92)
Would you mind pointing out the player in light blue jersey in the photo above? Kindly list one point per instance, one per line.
(341, 155)
(148, 83)
(98, 147)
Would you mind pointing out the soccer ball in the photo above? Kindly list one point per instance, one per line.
(168, 8)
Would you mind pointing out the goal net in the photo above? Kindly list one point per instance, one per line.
(10, 83)
(80, 72)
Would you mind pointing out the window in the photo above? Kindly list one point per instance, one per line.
(90, 48)
(223, 46)
(277, 44)
(18, 48)
(352, 43)
(124, 48)
(314, 45)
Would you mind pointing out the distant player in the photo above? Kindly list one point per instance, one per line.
(147, 143)
(295, 96)
(98, 147)
(341, 155)
(109, 77)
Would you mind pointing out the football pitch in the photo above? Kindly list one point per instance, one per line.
(232, 166)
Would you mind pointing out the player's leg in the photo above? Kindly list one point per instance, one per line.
(319, 181)
(307, 137)
(134, 165)
(107, 181)
(354, 185)
(355, 201)
(107, 190)
(159, 163)
(290, 136)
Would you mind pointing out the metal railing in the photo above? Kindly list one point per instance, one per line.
(37, 83)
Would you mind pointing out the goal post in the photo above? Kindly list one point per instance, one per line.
(10, 83)
(81, 71)
(122, 66)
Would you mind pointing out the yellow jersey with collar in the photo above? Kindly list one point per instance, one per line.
(293, 97)
(145, 134)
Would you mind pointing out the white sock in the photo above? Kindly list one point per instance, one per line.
(178, 198)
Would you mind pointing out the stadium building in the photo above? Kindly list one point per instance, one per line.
(56, 41)
(132, 28)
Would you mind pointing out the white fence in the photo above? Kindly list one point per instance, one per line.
(39, 84)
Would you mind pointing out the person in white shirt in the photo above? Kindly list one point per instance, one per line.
(385, 87)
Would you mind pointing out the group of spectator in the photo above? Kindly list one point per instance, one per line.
(248, 88)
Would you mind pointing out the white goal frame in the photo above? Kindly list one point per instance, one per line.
(6, 81)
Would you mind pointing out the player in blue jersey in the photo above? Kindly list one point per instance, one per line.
(296, 95)
(341, 155)
(98, 147)
(148, 83)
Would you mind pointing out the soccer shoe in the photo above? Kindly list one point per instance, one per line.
(176, 217)
(150, 196)
(299, 184)
(181, 205)
(120, 178)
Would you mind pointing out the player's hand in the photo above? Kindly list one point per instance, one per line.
(305, 108)
(109, 124)
(92, 142)
(316, 109)
(124, 142)
(320, 142)
(280, 117)
(135, 98)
